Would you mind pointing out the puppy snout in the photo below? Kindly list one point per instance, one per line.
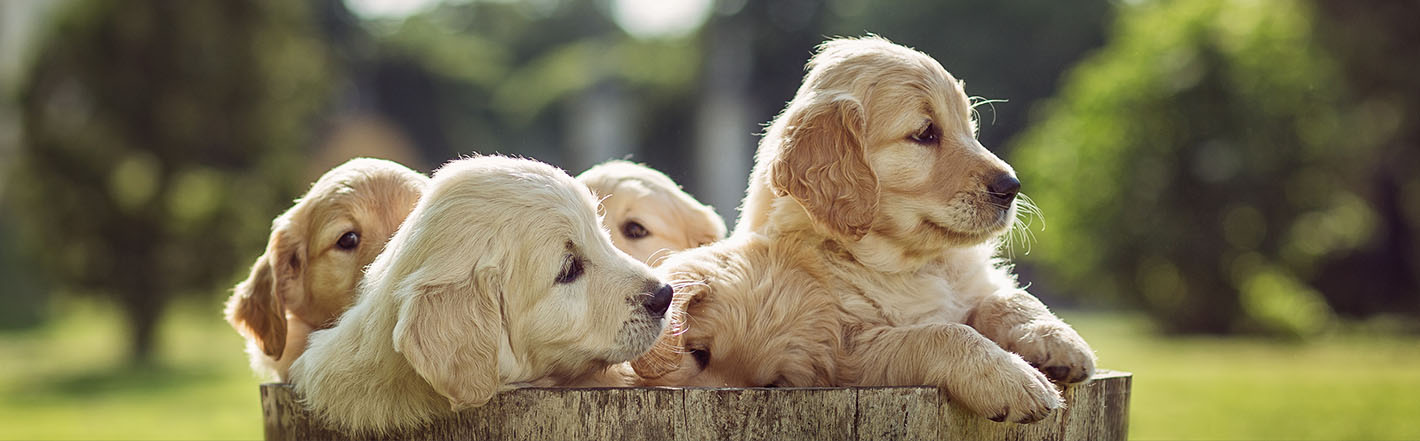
(1004, 188)
(658, 301)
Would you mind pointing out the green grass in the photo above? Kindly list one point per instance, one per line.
(1349, 385)
(67, 381)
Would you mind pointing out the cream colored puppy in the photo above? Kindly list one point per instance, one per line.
(648, 214)
(866, 257)
(501, 276)
(318, 250)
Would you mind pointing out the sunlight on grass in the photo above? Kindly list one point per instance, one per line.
(68, 381)
(1346, 386)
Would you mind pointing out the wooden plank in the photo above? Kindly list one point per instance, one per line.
(621, 414)
(769, 413)
(1095, 410)
(897, 413)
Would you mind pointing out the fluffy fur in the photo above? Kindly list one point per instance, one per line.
(501, 276)
(866, 253)
(306, 277)
(648, 214)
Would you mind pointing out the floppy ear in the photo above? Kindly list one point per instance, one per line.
(256, 310)
(449, 333)
(666, 354)
(823, 166)
(287, 257)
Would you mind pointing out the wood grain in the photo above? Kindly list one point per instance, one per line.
(1095, 410)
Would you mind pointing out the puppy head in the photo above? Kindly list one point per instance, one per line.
(647, 213)
(881, 139)
(708, 344)
(319, 248)
(502, 273)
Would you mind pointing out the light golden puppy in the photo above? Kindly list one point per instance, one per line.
(501, 276)
(867, 259)
(648, 214)
(318, 250)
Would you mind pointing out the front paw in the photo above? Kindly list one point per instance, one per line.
(1006, 388)
(1057, 350)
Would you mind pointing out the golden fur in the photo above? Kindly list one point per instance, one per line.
(501, 276)
(305, 279)
(865, 253)
(648, 214)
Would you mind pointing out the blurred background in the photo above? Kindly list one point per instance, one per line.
(1230, 188)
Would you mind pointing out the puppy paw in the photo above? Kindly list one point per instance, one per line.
(1008, 389)
(1057, 350)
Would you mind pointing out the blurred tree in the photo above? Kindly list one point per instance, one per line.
(1203, 164)
(159, 138)
(1376, 44)
(507, 76)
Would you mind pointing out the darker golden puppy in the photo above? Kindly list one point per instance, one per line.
(865, 253)
(317, 252)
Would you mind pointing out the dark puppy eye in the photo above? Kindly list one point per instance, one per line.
(348, 241)
(634, 230)
(701, 356)
(571, 270)
(928, 134)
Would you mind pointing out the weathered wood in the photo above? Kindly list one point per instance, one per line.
(1095, 410)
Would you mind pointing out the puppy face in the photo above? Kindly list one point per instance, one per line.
(880, 138)
(709, 344)
(503, 273)
(320, 247)
(648, 215)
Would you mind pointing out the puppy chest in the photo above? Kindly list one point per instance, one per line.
(907, 302)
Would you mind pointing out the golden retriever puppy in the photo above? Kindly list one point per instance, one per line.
(500, 277)
(871, 262)
(318, 250)
(648, 214)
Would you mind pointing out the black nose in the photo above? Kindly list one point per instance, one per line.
(660, 300)
(1004, 188)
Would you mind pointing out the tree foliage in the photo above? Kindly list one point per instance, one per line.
(1205, 166)
(158, 139)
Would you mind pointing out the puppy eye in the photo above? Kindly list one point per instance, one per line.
(634, 230)
(701, 356)
(571, 270)
(928, 134)
(348, 241)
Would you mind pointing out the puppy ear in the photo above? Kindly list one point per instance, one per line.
(449, 333)
(823, 166)
(667, 353)
(287, 258)
(256, 308)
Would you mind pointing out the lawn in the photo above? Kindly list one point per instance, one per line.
(66, 381)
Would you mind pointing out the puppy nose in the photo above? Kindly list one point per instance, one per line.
(657, 303)
(1004, 188)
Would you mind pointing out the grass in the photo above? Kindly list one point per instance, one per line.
(67, 381)
(1349, 385)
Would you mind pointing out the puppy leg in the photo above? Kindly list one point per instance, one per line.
(1020, 323)
(975, 371)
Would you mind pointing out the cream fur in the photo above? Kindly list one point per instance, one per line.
(672, 219)
(865, 253)
(466, 301)
(305, 280)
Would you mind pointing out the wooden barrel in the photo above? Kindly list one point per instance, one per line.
(1094, 410)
